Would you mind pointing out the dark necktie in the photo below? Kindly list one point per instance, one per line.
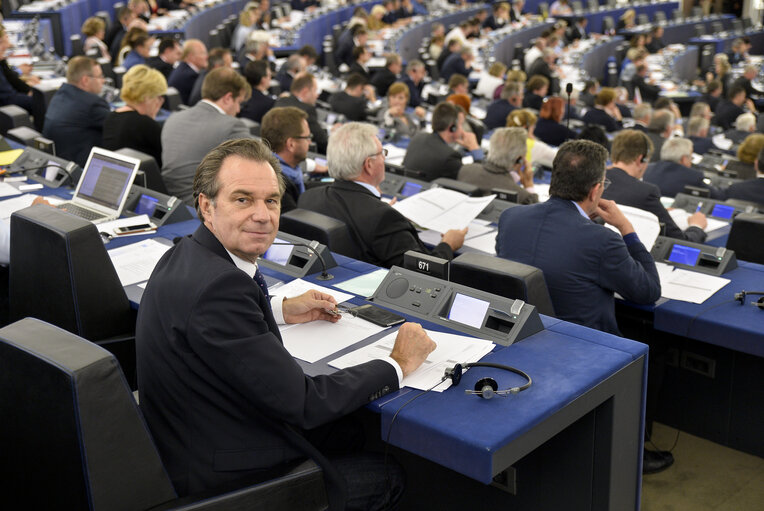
(260, 280)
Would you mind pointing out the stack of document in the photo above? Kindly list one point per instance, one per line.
(645, 224)
(681, 216)
(452, 349)
(440, 209)
(134, 263)
(688, 286)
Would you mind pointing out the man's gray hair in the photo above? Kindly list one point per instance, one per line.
(413, 65)
(643, 111)
(349, 146)
(661, 120)
(697, 125)
(745, 122)
(506, 146)
(674, 148)
(511, 89)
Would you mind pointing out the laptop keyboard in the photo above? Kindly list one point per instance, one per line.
(81, 212)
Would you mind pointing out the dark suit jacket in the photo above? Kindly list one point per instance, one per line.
(319, 133)
(351, 107)
(284, 79)
(492, 23)
(454, 64)
(383, 235)
(183, 79)
(648, 91)
(655, 45)
(496, 114)
(415, 91)
(750, 90)
(726, 113)
(10, 91)
(196, 91)
(160, 65)
(601, 118)
(257, 106)
(597, 261)
(355, 67)
(429, 154)
(750, 190)
(382, 80)
(540, 67)
(444, 54)
(701, 145)
(672, 177)
(344, 51)
(658, 141)
(629, 191)
(217, 385)
(552, 132)
(74, 121)
(711, 101)
(531, 100)
(133, 130)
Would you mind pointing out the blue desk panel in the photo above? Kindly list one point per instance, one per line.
(723, 44)
(595, 18)
(679, 32)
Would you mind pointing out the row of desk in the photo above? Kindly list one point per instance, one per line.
(594, 19)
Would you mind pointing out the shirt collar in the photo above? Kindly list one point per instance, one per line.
(580, 210)
(245, 266)
(196, 69)
(213, 105)
(369, 187)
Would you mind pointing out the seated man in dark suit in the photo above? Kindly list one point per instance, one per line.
(745, 124)
(697, 132)
(217, 57)
(712, 94)
(511, 98)
(674, 170)
(258, 74)
(291, 68)
(728, 109)
(545, 66)
(458, 63)
(361, 56)
(75, 116)
(209, 351)
(656, 43)
(648, 91)
(194, 61)
(357, 163)
(750, 72)
(642, 115)
(431, 154)
(659, 129)
(414, 80)
(169, 53)
(343, 54)
(750, 189)
(113, 37)
(630, 155)
(388, 75)
(304, 94)
(352, 101)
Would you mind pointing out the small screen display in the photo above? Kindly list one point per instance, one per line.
(410, 189)
(468, 310)
(684, 255)
(146, 205)
(722, 211)
(279, 253)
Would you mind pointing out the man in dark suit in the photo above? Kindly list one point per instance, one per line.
(545, 66)
(577, 30)
(659, 129)
(516, 11)
(431, 154)
(291, 68)
(169, 54)
(225, 402)
(361, 55)
(750, 189)
(358, 36)
(656, 43)
(458, 63)
(357, 164)
(113, 38)
(712, 94)
(75, 116)
(388, 75)
(304, 94)
(351, 102)
(194, 60)
(259, 75)
(511, 98)
(745, 124)
(642, 115)
(597, 261)
(630, 155)
(452, 46)
(750, 72)
(674, 170)
(697, 132)
(218, 57)
(414, 80)
(648, 91)
(728, 109)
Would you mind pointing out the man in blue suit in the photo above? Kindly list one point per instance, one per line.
(750, 189)
(583, 262)
(457, 63)
(75, 116)
(194, 61)
(674, 170)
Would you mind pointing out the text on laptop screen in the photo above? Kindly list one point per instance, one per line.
(105, 180)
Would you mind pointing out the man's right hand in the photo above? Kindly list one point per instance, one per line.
(468, 141)
(412, 345)
(608, 210)
(698, 219)
(454, 238)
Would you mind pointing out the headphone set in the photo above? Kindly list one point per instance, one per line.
(647, 148)
(740, 297)
(487, 387)
(452, 128)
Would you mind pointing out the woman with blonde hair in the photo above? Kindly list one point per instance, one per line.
(94, 30)
(133, 124)
(489, 81)
(539, 153)
(375, 18)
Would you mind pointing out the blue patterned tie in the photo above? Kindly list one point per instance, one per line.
(260, 280)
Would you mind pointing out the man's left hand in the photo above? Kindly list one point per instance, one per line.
(309, 306)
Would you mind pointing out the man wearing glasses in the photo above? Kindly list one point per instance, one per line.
(357, 163)
(75, 116)
(583, 262)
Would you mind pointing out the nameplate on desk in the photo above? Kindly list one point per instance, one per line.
(470, 311)
(427, 264)
(694, 256)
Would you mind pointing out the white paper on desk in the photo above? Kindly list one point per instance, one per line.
(681, 216)
(10, 206)
(440, 209)
(452, 349)
(319, 339)
(688, 286)
(645, 224)
(134, 263)
(485, 243)
(721, 141)
(299, 286)
(7, 190)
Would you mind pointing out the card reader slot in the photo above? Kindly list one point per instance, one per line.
(708, 261)
(499, 324)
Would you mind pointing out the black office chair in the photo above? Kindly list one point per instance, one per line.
(458, 186)
(252, 126)
(745, 237)
(23, 135)
(152, 174)
(659, 17)
(504, 278)
(214, 39)
(79, 440)
(12, 116)
(326, 230)
(642, 19)
(60, 273)
(607, 24)
(717, 27)
(77, 45)
(700, 30)
(172, 99)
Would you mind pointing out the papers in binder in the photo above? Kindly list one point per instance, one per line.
(440, 209)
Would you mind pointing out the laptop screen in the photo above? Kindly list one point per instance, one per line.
(106, 180)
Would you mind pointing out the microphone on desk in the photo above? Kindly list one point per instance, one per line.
(324, 275)
(67, 170)
(569, 90)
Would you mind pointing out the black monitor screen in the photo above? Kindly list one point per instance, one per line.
(722, 211)
(684, 255)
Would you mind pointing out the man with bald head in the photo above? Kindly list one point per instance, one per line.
(193, 62)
